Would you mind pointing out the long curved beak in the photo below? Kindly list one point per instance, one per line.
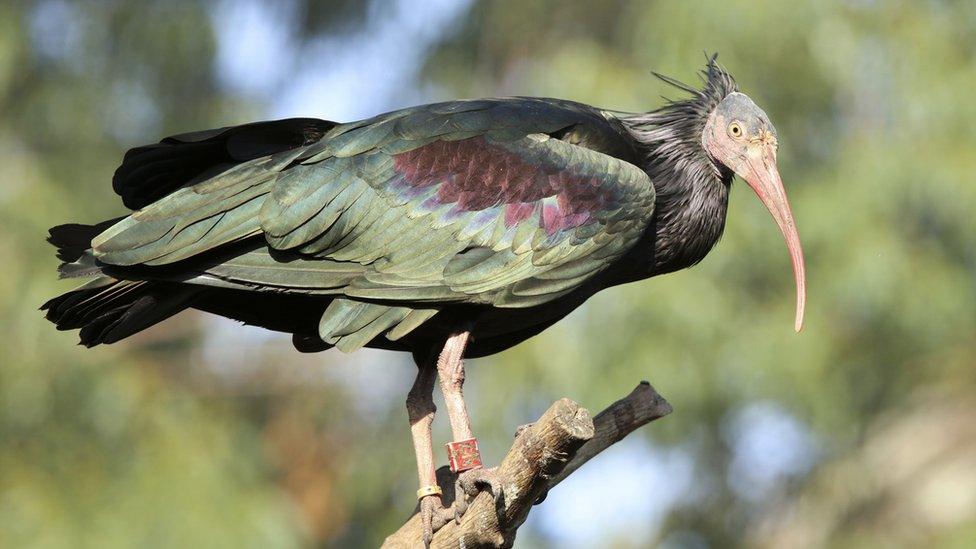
(762, 175)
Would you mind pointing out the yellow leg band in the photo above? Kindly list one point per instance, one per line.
(425, 491)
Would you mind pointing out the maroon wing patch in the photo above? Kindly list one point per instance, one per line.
(477, 176)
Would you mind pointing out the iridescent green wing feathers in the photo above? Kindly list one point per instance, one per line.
(456, 202)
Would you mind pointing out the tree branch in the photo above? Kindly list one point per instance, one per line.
(543, 454)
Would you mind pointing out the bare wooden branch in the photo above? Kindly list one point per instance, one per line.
(642, 406)
(543, 454)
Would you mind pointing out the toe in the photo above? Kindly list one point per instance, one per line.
(460, 507)
(433, 516)
(477, 480)
(426, 515)
(471, 483)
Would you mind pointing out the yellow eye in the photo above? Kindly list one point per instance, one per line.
(735, 129)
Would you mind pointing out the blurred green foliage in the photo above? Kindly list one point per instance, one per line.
(183, 439)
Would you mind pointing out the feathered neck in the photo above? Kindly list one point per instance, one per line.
(692, 189)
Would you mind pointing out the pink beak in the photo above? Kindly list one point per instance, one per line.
(761, 174)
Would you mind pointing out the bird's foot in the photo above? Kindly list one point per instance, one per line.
(433, 516)
(472, 482)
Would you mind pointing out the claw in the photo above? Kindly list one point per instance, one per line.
(472, 482)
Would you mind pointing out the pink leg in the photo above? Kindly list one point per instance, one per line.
(463, 453)
(420, 411)
(450, 369)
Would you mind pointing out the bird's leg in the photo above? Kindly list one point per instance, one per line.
(420, 411)
(450, 370)
(463, 454)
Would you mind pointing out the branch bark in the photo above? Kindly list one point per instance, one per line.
(542, 456)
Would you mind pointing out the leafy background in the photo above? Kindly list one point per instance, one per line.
(201, 433)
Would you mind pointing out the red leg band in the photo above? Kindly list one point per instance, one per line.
(463, 455)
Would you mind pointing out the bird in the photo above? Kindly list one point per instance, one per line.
(449, 231)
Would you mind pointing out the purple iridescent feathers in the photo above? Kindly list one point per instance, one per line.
(480, 176)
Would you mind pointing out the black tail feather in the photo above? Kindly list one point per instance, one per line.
(109, 310)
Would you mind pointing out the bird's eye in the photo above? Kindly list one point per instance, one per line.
(735, 129)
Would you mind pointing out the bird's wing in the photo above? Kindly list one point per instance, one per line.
(465, 201)
(152, 171)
